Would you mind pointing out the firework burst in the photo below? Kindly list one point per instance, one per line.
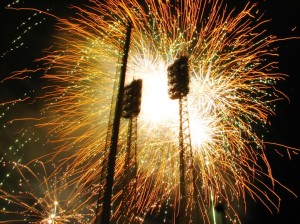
(231, 94)
(40, 198)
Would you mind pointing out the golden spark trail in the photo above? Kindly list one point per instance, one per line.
(38, 198)
(232, 73)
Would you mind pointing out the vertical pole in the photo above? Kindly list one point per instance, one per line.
(126, 175)
(128, 147)
(182, 208)
(106, 206)
(178, 80)
(195, 193)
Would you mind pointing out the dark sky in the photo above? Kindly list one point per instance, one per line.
(285, 125)
(285, 22)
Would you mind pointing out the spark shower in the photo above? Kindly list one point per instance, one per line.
(233, 74)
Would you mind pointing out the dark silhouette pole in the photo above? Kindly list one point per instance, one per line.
(106, 206)
(131, 109)
(178, 82)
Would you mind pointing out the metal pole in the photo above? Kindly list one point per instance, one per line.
(182, 216)
(126, 176)
(106, 206)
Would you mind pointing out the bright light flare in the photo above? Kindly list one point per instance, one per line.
(157, 109)
(35, 199)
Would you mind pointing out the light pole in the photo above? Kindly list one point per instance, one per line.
(106, 205)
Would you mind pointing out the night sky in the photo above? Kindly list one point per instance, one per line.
(285, 22)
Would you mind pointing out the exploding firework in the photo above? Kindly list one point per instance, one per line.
(39, 198)
(232, 94)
